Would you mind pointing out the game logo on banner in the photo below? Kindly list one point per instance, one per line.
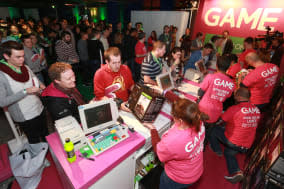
(241, 18)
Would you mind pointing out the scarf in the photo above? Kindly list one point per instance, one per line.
(73, 93)
(20, 77)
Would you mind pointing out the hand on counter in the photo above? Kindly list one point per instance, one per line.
(149, 125)
(124, 107)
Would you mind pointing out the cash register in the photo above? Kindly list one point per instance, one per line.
(99, 123)
(100, 129)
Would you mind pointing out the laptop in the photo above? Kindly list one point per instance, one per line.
(165, 81)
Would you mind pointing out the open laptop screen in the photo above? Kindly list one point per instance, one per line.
(165, 81)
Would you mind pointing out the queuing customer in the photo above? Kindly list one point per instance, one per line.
(65, 50)
(152, 64)
(140, 53)
(19, 93)
(151, 40)
(175, 63)
(33, 58)
(199, 56)
(113, 72)
(61, 97)
(166, 38)
(197, 43)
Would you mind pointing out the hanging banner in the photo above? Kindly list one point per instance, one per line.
(242, 18)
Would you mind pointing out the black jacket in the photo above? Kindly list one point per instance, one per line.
(94, 47)
(228, 48)
(58, 104)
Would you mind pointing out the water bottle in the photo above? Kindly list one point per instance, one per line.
(69, 149)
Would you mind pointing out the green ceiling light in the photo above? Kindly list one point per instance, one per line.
(12, 12)
(102, 13)
(76, 14)
(121, 16)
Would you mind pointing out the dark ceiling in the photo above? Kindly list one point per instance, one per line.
(44, 3)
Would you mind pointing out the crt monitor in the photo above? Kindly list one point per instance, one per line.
(165, 81)
(98, 115)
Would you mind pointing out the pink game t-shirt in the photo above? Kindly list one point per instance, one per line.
(241, 123)
(217, 87)
(182, 153)
(261, 82)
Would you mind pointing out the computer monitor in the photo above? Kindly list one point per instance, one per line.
(165, 81)
(98, 115)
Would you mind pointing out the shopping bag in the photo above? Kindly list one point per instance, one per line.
(28, 163)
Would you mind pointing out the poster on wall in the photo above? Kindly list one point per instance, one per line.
(241, 18)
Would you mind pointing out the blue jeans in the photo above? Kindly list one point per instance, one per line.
(167, 183)
(217, 136)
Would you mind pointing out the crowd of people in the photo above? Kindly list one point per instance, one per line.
(112, 60)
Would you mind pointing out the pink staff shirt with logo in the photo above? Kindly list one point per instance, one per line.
(217, 87)
(261, 82)
(182, 152)
(241, 123)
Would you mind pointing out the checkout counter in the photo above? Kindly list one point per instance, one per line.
(116, 167)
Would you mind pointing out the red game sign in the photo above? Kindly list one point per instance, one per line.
(242, 18)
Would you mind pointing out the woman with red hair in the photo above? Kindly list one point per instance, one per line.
(181, 148)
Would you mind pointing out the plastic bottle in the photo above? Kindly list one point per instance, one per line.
(69, 149)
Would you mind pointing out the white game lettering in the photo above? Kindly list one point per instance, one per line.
(228, 18)
(223, 83)
(247, 19)
(250, 110)
(269, 71)
(190, 146)
(216, 18)
(260, 15)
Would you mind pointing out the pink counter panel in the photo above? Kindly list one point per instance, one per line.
(83, 173)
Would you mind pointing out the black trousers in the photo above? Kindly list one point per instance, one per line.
(35, 129)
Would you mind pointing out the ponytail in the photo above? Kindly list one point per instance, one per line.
(188, 112)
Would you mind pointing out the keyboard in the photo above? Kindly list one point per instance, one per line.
(108, 138)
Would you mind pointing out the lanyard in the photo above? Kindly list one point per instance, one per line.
(36, 50)
(157, 60)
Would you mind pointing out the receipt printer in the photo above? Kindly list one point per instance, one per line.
(68, 127)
